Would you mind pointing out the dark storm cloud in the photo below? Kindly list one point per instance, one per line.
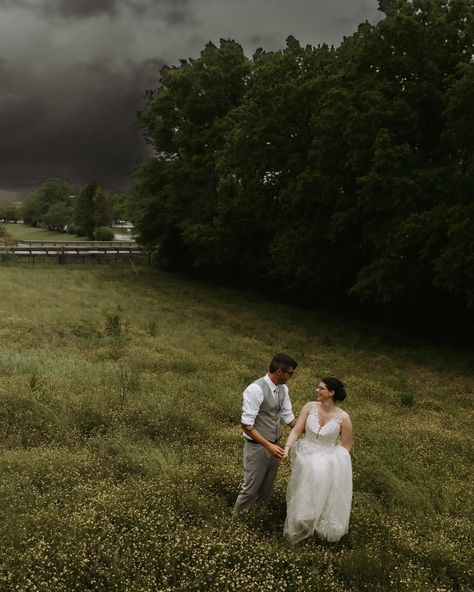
(81, 8)
(173, 12)
(75, 71)
(85, 129)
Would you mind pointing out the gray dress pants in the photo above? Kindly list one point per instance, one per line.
(260, 469)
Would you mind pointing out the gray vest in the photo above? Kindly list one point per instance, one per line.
(268, 419)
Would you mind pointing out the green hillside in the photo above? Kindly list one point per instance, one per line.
(120, 400)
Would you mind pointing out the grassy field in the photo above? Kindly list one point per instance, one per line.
(24, 232)
(120, 400)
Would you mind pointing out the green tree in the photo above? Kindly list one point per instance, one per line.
(58, 216)
(92, 210)
(84, 211)
(36, 205)
(102, 209)
(9, 213)
(120, 203)
(269, 168)
(175, 191)
(414, 148)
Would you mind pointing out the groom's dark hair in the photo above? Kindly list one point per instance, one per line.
(283, 361)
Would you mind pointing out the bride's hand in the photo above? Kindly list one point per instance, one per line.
(286, 451)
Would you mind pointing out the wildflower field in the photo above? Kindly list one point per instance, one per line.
(120, 396)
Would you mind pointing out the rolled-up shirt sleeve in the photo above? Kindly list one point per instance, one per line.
(286, 409)
(253, 397)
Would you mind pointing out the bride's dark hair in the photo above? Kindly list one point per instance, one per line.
(334, 384)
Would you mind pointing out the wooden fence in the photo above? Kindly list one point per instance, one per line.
(73, 253)
(72, 243)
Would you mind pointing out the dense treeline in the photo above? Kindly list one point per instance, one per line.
(54, 205)
(329, 175)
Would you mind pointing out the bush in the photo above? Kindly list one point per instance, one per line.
(103, 234)
(73, 229)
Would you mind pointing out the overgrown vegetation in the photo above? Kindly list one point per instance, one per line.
(120, 456)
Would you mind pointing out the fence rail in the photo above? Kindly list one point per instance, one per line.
(72, 243)
(71, 253)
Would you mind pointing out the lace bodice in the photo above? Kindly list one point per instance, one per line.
(326, 435)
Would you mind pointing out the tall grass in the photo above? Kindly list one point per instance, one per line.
(120, 401)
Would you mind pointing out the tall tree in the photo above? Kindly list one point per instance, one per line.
(176, 189)
(264, 199)
(413, 65)
(102, 209)
(85, 210)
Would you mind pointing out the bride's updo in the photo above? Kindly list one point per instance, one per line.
(334, 384)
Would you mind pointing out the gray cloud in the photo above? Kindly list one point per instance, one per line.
(173, 12)
(81, 8)
(74, 71)
(83, 130)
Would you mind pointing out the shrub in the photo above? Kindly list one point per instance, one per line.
(103, 234)
(73, 229)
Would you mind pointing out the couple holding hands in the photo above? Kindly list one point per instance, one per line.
(319, 492)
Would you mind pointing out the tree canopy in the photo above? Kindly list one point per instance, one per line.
(339, 174)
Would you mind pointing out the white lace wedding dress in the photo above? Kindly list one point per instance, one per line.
(319, 493)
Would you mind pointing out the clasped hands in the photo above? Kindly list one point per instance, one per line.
(278, 452)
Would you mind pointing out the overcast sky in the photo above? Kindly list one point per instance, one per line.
(73, 72)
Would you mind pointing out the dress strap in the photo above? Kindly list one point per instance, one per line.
(314, 408)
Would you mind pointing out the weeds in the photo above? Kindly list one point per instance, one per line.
(407, 399)
(113, 325)
(121, 447)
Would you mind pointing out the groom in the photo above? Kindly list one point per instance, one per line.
(266, 403)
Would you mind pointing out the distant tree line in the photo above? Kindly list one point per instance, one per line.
(9, 212)
(57, 206)
(326, 175)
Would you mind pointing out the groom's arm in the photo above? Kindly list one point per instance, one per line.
(286, 409)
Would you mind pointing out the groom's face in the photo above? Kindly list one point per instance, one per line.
(285, 375)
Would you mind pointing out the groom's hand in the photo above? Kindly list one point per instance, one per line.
(276, 451)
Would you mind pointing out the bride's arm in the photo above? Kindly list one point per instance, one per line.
(297, 430)
(346, 432)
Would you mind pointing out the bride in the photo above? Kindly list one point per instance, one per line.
(319, 493)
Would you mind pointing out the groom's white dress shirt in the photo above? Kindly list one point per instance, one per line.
(253, 397)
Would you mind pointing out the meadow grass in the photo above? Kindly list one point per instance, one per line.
(120, 397)
(25, 232)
